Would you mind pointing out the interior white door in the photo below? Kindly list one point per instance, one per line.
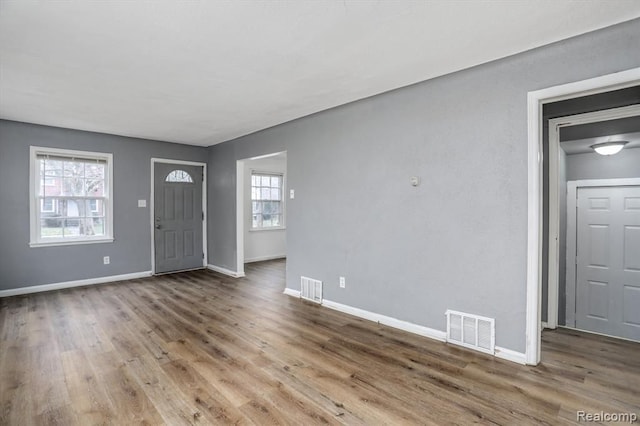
(608, 261)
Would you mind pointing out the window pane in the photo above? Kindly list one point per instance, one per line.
(265, 193)
(256, 207)
(46, 205)
(73, 169)
(73, 208)
(51, 228)
(179, 176)
(276, 219)
(275, 181)
(265, 181)
(51, 167)
(275, 194)
(256, 221)
(255, 180)
(91, 227)
(94, 208)
(95, 187)
(72, 227)
(51, 186)
(98, 225)
(95, 171)
(72, 186)
(254, 194)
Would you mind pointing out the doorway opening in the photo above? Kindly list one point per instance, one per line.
(592, 244)
(537, 237)
(261, 221)
(178, 215)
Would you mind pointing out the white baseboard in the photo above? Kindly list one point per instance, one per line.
(291, 292)
(70, 284)
(509, 355)
(431, 333)
(225, 271)
(263, 258)
(391, 322)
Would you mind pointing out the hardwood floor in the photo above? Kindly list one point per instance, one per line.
(202, 348)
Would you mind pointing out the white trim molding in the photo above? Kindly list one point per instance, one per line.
(154, 160)
(35, 238)
(535, 101)
(70, 284)
(441, 336)
(291, 292)
(263, 258)
(225, 271)
(510, 355)
(385, 320)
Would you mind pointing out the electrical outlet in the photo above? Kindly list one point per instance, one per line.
(343, 282)
(106, 260)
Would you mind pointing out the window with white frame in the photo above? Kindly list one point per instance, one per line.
(267, 210)
(70, 197)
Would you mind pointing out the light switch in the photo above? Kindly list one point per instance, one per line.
(292, 194)
(142, 203)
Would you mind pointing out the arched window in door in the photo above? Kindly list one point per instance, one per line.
(179, 176)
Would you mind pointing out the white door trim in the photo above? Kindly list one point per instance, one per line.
(535, 101)
(554, 195)
(572, 192)
(152, 205)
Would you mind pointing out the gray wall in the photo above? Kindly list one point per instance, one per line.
(456, 241)
(22, 266)
(625, 164)
(562, 239)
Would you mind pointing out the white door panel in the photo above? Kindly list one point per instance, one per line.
(608, 261)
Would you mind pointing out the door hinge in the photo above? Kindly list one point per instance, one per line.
(202, 215)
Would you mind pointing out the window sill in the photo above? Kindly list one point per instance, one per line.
(70, 242)
(277, 228)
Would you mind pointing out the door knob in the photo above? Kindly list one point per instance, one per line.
(157, 226)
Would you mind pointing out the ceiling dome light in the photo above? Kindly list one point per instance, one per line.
(609, 148)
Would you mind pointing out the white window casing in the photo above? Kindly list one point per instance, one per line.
(70, 197)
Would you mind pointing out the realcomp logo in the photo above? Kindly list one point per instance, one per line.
(583, 416)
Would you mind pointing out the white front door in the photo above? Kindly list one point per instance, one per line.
(608, 261)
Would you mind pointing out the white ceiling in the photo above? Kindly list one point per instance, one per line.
(202, 72)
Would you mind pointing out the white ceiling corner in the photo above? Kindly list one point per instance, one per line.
(202, 72)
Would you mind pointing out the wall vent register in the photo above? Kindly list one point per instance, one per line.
(311, 289)
(471, 331)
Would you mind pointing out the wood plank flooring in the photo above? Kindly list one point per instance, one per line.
(202, 348)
